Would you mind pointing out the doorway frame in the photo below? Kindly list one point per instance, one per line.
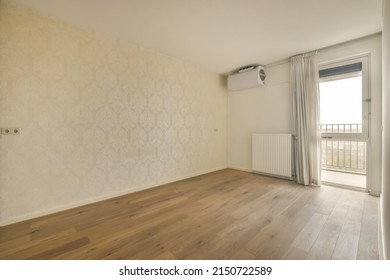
(366, 111)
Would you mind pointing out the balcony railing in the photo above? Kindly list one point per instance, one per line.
(344, 155)
(341, 128)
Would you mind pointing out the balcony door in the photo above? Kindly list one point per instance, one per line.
(344, 117)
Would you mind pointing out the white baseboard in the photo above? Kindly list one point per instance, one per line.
(100, 198)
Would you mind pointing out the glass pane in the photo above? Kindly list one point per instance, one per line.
(341, 105)
(344, 156)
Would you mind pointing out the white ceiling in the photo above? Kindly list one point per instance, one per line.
(222, 35)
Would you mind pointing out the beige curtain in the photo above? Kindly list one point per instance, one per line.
(307, 148)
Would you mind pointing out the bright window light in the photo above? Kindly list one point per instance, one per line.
(341, 101)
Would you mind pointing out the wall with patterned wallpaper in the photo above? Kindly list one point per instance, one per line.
(98, 117)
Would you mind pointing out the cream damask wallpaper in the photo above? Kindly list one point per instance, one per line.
(98, 117)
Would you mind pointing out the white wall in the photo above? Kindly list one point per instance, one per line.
(268, 109)
(99, 117)
(385, 197)
(265, 109)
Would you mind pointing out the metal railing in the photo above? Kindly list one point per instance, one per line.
(341, 128)
(344, 155)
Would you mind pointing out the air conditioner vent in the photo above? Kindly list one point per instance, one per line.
(247, 77)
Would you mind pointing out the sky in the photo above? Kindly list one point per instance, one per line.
(341, 101)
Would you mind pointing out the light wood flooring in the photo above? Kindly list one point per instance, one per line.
(227, 214)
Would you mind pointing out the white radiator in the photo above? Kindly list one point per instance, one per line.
(272, 154)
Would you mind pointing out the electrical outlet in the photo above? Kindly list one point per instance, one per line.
(10, 131)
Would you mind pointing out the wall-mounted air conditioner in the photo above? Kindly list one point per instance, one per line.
(247, 77)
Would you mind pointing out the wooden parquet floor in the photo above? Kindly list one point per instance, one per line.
(227, 214)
